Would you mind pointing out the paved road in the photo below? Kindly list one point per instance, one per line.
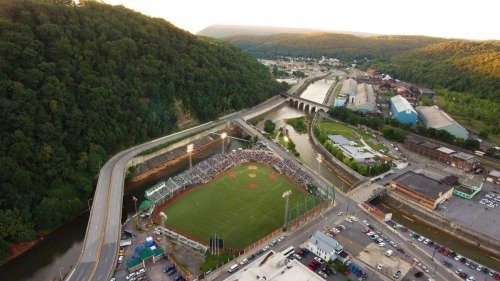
(99, 253)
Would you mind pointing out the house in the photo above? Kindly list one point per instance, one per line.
(324, 246)
(433, 117)
(402, 110)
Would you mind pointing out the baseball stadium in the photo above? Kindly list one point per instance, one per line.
(236, 197)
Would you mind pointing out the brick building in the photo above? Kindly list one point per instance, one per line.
(464, 161)
(421, 189)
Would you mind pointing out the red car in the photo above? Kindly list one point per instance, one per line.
(347, 271)
(496, 276)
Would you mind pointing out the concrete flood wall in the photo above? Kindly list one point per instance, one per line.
(154, 159)
(455, 229)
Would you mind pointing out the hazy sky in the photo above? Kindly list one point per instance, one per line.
(477, 19)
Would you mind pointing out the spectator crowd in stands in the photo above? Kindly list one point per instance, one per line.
(211, 167)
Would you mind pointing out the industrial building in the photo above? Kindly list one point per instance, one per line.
(460, 160)
(433, 117)
(364, 99)
(402, 110)
(349, 89)
(324, 246)
(273, 266)
(421, 189)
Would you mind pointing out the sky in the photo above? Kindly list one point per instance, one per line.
(476, 20)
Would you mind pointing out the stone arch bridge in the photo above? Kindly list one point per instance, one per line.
(305, 105)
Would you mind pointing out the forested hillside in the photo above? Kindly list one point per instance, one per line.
(465, 74)
(342, 46)
(79, 83)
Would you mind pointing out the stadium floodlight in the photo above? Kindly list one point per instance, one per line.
(223, 136)
(163, 218)
(286, 195)
(319, 158)
(189, 151)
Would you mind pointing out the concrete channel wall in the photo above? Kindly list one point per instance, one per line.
(486, 243)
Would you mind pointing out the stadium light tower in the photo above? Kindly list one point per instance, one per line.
(223, 136)
(286, 195)
(320, 159)
(189, 151)
(163, 218)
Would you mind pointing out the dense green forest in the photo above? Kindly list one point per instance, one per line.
(80, 82)
(341, 46)
(465, 74)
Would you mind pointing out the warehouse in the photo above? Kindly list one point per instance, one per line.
(402, 110)
(349, 89)
(433, 117)
(364, 99)
(421, 189)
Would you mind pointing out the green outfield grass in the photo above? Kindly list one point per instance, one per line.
(238, 213)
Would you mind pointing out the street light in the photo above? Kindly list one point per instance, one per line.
(189, 150)
(286, 195)
(135, 203)
(223, 136)
(88, 203)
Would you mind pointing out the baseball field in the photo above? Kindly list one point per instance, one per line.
(241, 205)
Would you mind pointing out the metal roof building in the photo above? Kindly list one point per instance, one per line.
(433, 117)
(349, 87)
(364, 100)
(402, 110)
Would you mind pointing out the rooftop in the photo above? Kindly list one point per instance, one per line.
(324, 242)
(434, 117)
(465, 189)
(422, 184)
(494, 173)
(401, 104)
(465, 156)
(446, 150)
(354, 152)
(349, 85)
(338, 139)
(274, 269)
(430, 145)
(364, 94)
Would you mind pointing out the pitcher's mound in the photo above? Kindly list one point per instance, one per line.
(233, 176)
(252, 185)
(252, 175)
(272, 177)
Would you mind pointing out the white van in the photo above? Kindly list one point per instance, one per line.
(388, 253)
(233, 268)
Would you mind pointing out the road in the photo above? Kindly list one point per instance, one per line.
(100, 249)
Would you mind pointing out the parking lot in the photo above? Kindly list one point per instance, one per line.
(473, 214)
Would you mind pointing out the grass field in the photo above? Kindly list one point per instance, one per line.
(241, 206)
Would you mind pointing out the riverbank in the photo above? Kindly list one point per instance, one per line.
(18, 249)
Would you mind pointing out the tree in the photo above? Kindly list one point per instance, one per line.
(269, 126)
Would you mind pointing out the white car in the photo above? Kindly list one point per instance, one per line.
(471, 278)
(265, 248)
(319, 260)
(458, 257)
(381, 244)
(370, 233)
(365, 222)
(243, 262)
(348, 219)
(425, 268)
(380, 266)
(354, 218)
(281, 238)
(479, 268)
(426, 241)
(342, 226)
(120, 259)
(393, 244)
(421, 238)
